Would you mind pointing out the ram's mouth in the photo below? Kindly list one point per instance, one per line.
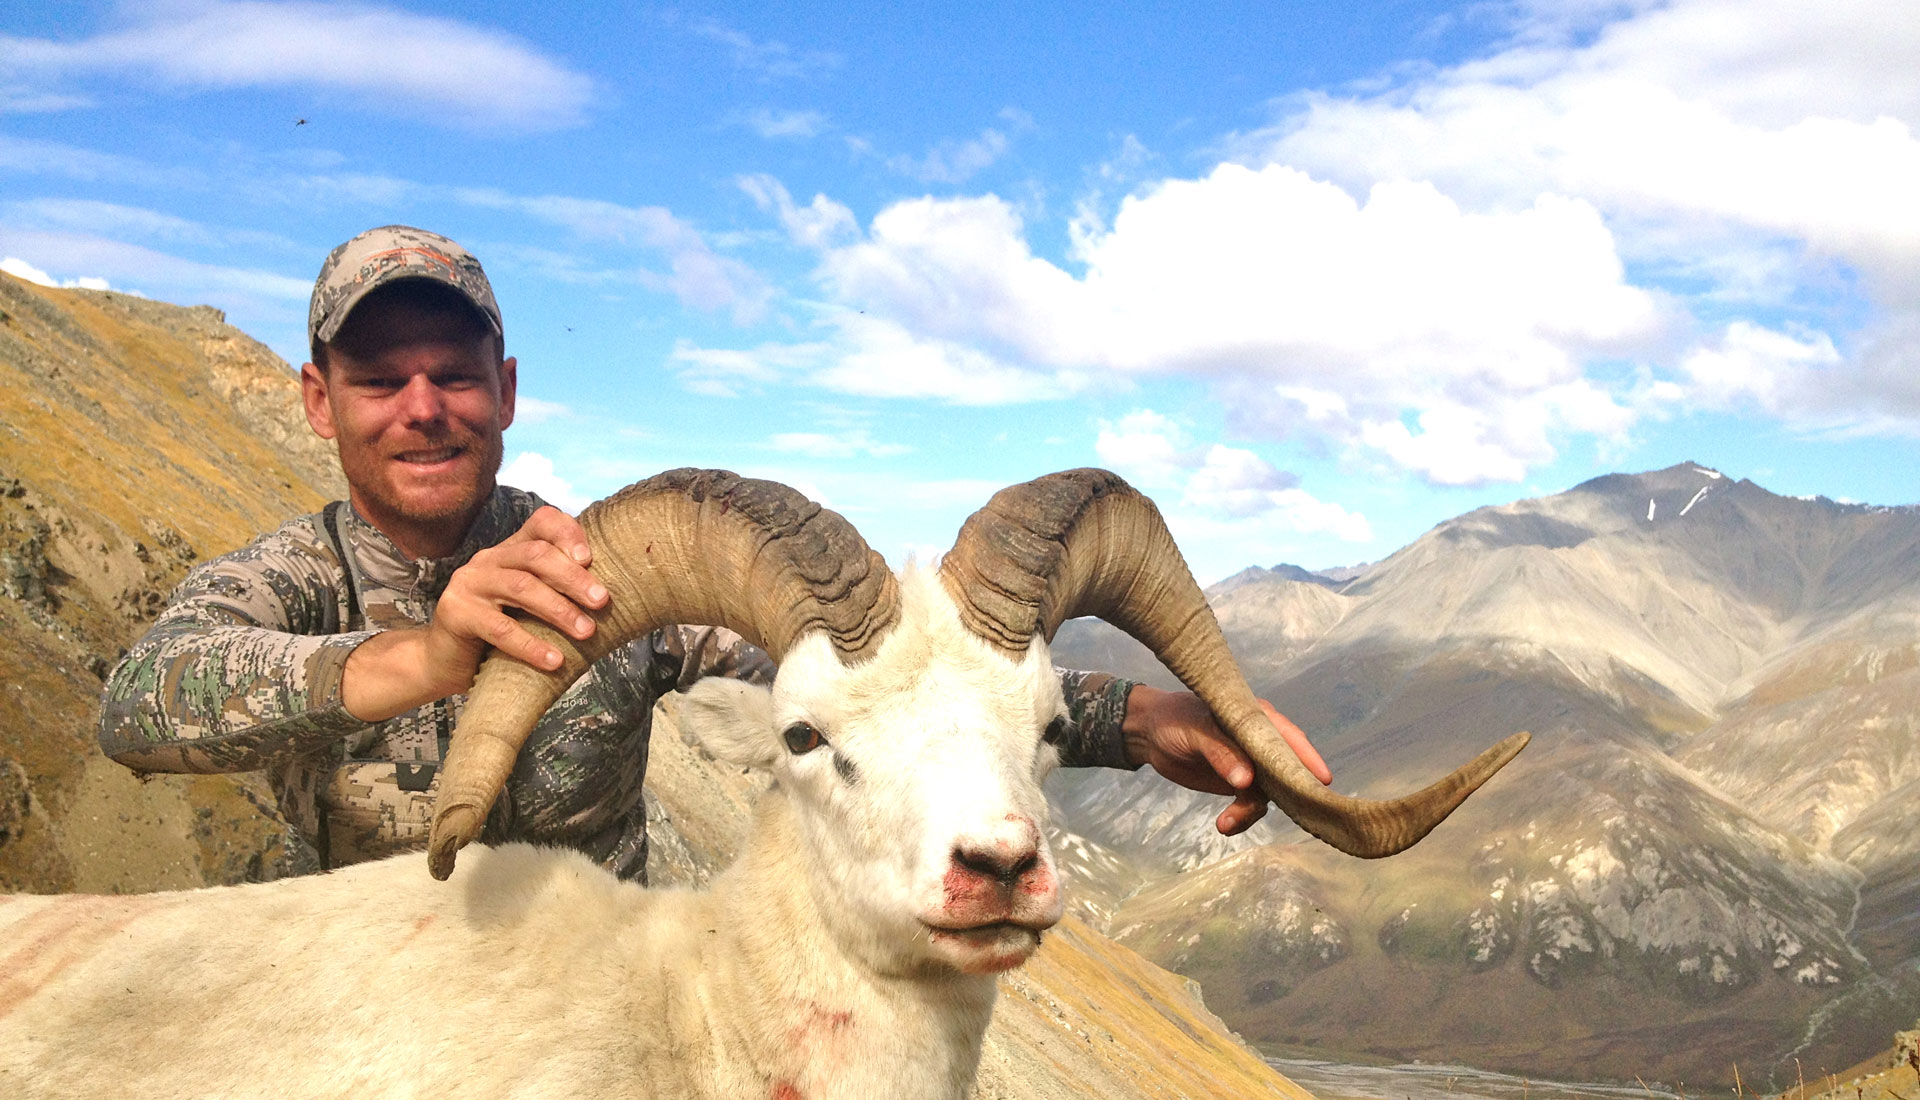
(986, 948)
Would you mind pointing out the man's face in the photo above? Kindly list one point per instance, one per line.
(417, 401)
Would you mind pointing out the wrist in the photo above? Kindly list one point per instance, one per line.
(1136, 729)
(390, 674)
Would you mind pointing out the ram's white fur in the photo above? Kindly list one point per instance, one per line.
(812, 969)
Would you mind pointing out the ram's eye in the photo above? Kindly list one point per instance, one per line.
(1055, 730)
(802, 738)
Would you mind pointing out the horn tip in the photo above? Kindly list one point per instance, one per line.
(453, 829)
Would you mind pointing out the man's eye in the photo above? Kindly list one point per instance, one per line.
(802, 739)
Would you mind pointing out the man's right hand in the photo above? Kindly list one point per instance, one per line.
(541, 569)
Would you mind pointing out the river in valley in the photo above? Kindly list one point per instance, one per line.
(1421, 1081)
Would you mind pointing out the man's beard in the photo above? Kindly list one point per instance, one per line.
(384, 488)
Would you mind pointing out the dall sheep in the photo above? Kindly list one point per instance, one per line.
(897, 864)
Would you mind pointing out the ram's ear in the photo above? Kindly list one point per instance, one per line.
(732, 720)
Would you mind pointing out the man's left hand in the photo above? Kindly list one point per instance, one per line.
(1175, 732)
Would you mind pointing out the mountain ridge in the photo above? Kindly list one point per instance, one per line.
(1721, 683)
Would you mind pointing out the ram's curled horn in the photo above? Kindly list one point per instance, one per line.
(685, 546)
(1084, 542)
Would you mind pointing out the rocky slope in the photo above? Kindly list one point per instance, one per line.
(1707, 856)
(136, 438)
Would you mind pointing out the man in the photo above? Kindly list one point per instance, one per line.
(333, 652)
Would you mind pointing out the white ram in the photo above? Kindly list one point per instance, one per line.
(897, 864)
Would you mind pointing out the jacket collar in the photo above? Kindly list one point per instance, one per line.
(380, 562)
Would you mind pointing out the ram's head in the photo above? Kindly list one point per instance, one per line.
(910, 718)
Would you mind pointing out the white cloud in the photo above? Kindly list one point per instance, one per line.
(952, 161)
(117, 220)
(29, 156)
(726, 372)
(534, 472)
(1800, 378)
(775, 124)
(696, 274)
(1223, 491)
(1759, 155)
(480, 77)
(853, 443)
(533, 410)
(21, 269)
(872, 357)
(1773, 117)
(768, 59)
(819, 224)
(26, 101)
(170, 277)
(1448, 341)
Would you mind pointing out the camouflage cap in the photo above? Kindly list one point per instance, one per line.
(384, 255)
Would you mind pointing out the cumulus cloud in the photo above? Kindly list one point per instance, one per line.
(473, 75)
(1219, 489)
(1799, 377)
(1769, 115)
(1448, 341)
(21, 269)
(535, 473)
(1758, 155)
(817, 225)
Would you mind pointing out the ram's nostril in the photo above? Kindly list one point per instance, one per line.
(1004, 867)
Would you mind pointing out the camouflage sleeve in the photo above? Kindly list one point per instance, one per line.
(242, 666)
(684, 655)
(1096, 709)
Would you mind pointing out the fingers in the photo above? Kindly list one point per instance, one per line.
(540, 570)
(550, 525)
(1296, 740)
(538, 578)
(1227, 759)
(1241, 814)
(508, 636)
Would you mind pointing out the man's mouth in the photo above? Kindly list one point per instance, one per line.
(429, 456)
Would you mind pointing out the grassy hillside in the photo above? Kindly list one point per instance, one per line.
(135, 438)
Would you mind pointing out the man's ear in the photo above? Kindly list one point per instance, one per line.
(509, 385)
(732, 720)
(313, 394)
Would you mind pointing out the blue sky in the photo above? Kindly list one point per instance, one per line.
(1316, 276)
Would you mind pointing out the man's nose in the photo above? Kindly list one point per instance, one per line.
(421, 401)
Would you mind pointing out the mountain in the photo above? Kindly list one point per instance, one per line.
(1707, 855)
(138, 437)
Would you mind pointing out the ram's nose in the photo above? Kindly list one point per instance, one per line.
(1002, 873)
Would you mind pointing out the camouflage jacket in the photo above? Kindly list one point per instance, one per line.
(242, 670)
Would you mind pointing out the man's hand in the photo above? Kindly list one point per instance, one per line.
(541, 569)
(1175, 732)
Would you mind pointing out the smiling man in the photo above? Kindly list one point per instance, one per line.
(334, 651)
